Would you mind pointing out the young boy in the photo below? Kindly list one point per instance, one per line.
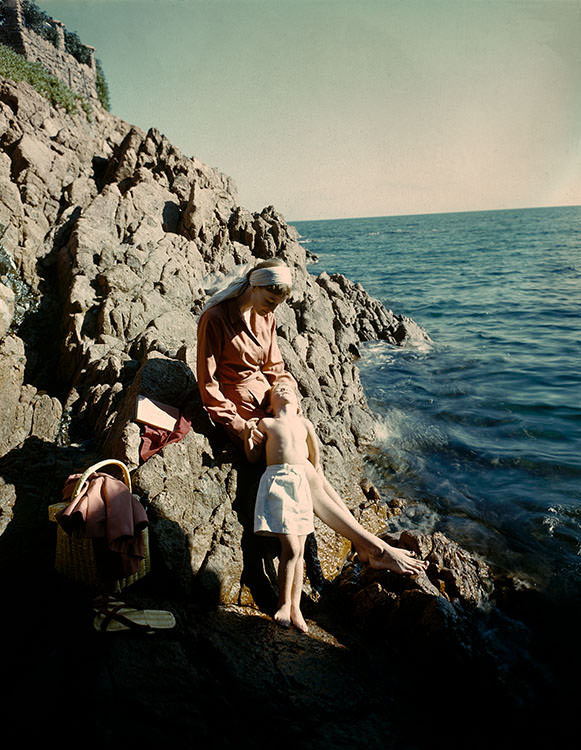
(284, 505)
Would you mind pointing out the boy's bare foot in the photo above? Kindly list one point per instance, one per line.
(395, 559)
(299, 621)
(283, 617)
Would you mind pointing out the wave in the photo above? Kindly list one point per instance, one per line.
(401, 431)
(378, 354)
(387, 232)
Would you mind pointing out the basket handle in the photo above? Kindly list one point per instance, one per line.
(95, 467)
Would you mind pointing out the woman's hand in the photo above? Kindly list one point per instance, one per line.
(254, 433)
(253, 440)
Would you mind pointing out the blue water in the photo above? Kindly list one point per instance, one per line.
(480, 429)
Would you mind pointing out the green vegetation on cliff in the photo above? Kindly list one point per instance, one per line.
(43, 25)
(102, 87)
(15, 67)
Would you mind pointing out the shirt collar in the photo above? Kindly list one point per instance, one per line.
(236, 319)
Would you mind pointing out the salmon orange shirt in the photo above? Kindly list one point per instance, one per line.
(237, 364)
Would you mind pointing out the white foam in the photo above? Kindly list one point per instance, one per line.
(418, 343)
(404, 431)
(380, 353)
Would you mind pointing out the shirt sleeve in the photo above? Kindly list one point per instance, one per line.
(209, 348)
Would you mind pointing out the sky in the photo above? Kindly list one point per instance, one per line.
(350, 108)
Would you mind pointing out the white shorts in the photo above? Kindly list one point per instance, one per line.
(283, 502)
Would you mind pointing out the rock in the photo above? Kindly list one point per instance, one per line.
(25, 412)
(7, 501)
(363, 425)
(454, 575)
(6, 309)
(463, 575)
(32, 153)
(159, 378)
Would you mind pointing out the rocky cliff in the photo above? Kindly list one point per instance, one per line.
(111, 242)
(112, 239)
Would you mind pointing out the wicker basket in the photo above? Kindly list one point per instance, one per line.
(77, 557)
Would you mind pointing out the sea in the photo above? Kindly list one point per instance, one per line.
(479, 427)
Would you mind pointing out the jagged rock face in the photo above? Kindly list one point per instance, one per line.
(115, 238)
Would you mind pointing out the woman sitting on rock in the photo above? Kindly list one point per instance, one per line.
(238, 360)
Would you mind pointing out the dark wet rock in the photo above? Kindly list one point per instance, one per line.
(453, 577)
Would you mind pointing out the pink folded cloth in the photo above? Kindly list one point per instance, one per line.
(105, 508)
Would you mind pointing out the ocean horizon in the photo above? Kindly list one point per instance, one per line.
(433, 213)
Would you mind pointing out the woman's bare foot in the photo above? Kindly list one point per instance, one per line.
(394, 559)
(298, 620)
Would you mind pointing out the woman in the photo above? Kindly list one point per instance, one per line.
(238, 361)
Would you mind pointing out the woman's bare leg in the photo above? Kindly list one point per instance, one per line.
(333, 511)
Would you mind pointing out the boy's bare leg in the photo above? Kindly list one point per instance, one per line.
(332, 510)
(289, 553)
(297, 590)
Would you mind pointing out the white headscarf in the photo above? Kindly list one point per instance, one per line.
(259, 277)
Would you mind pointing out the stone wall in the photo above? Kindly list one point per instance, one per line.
(79, 77)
